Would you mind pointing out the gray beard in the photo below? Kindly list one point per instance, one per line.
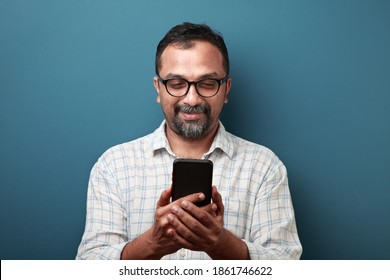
(192, 130)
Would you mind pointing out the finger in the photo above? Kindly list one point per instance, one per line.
(193, 198)
(181, 229)
(211, 209)
(195, 218)
(164, 204)
(217, 199)
(165, 197)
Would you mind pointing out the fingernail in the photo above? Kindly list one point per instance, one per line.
(174, 209)
(170, 218)
(184, 204)
(202, 196)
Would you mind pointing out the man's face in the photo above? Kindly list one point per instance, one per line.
(192, 116)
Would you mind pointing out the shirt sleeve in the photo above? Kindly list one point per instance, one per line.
(105, 232)
(274, 234)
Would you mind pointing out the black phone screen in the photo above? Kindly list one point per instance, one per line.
(192, 176)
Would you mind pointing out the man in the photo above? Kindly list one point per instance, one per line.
(129, 210)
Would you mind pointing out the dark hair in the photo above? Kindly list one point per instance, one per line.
(184, 35)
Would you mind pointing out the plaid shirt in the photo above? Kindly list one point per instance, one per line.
(127, 181)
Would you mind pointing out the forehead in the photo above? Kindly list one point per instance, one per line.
(200, 58)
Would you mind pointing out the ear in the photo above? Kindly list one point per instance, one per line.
(156, 84)
(228, 86)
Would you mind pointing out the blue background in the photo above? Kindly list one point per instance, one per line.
(311, 81)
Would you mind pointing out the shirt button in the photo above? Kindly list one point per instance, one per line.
(182, 253)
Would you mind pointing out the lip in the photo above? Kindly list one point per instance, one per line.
(191, 117)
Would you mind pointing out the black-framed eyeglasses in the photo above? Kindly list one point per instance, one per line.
(179, 87)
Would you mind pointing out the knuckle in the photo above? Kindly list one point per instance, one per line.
(187, 235)
(195, 227)
(202, 216)
(159, 212)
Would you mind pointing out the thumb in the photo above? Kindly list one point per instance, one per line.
(165, 197)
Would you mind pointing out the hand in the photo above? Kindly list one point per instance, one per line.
(181, 224)
(198, 229)
(161, 236)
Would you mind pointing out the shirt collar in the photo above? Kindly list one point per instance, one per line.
(160, 140)
(221, 141)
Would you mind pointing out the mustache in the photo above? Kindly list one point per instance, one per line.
(202, 108)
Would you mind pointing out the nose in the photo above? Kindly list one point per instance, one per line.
(192, 98)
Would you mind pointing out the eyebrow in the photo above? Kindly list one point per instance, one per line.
(204, 76)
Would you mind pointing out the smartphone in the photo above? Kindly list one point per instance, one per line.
(192, 176)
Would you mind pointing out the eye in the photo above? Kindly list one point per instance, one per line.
(177, 83)
(207, 84)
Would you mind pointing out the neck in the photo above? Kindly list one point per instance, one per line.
(190, 148)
